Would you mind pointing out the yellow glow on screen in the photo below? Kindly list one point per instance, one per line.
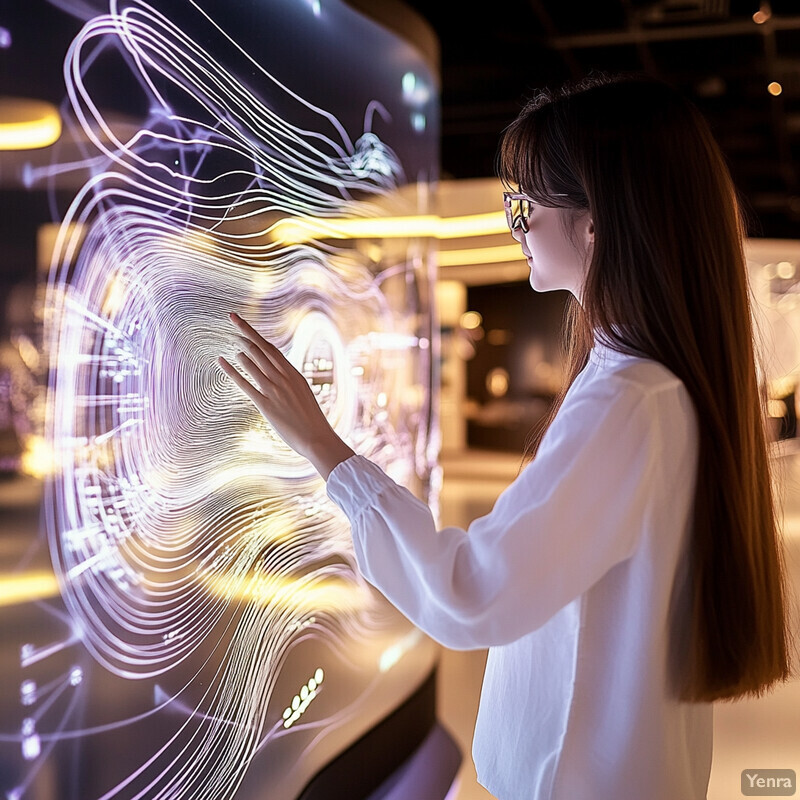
(331, 594)
(116, 292)
(27, 124)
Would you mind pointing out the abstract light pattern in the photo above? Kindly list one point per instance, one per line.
(183, 531)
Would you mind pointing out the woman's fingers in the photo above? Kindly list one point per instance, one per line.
(249, 333)
(264, 382)
(278, 390)
(266, 364)
(239, 379)
(270, 370)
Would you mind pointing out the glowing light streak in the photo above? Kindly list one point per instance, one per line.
(31, 741)
(330, 595)
(479, 255)
(27, 587)
(54, 692)
(28, 124)
(391, 655)
(30, 655)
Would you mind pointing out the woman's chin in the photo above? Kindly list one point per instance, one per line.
(536, 282)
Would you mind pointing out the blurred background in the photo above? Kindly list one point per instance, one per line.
(499, 358)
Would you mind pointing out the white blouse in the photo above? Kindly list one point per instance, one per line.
(568, 582)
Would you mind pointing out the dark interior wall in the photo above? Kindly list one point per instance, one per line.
(521, 333)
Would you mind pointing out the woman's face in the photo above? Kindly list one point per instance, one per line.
(555, 261)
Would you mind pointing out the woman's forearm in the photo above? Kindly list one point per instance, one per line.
(325, 453)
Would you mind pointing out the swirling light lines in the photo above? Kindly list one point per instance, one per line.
(182, 529)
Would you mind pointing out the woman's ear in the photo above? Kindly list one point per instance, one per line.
(589, 232)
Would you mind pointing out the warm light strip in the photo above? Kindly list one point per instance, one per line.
(479, 255)
(27, 587)
(297, 230)
(28, 124)
(333, 595)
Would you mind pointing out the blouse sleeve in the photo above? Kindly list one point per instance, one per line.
(572, 513)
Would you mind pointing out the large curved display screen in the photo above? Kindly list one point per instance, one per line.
(212, 636)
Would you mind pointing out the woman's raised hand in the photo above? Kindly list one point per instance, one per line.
(282, 394)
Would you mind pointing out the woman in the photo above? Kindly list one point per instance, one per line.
(631, 575)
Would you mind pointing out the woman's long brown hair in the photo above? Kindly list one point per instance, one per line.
(667, 278)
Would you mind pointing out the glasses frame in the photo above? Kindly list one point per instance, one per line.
(520, 220)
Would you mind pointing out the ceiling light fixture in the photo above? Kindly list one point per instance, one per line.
(763, 14)
(294, 230)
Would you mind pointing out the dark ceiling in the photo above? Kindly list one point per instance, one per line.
(494, 55)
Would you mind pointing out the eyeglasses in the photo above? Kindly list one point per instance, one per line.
(519, 207)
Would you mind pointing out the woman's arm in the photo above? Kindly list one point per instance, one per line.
(573, 513)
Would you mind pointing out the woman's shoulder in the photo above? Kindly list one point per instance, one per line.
(647, 374)
(636, 370)
(621, 380)
(635, 397)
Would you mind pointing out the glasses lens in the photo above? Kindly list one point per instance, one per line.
(518, 209)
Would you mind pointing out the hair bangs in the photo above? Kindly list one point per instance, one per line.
(529, 157)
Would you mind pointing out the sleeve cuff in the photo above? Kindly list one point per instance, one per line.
(355, 483)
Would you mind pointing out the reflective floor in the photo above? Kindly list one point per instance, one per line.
(757, 734)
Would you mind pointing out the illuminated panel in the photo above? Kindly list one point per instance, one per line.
(193, 549)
